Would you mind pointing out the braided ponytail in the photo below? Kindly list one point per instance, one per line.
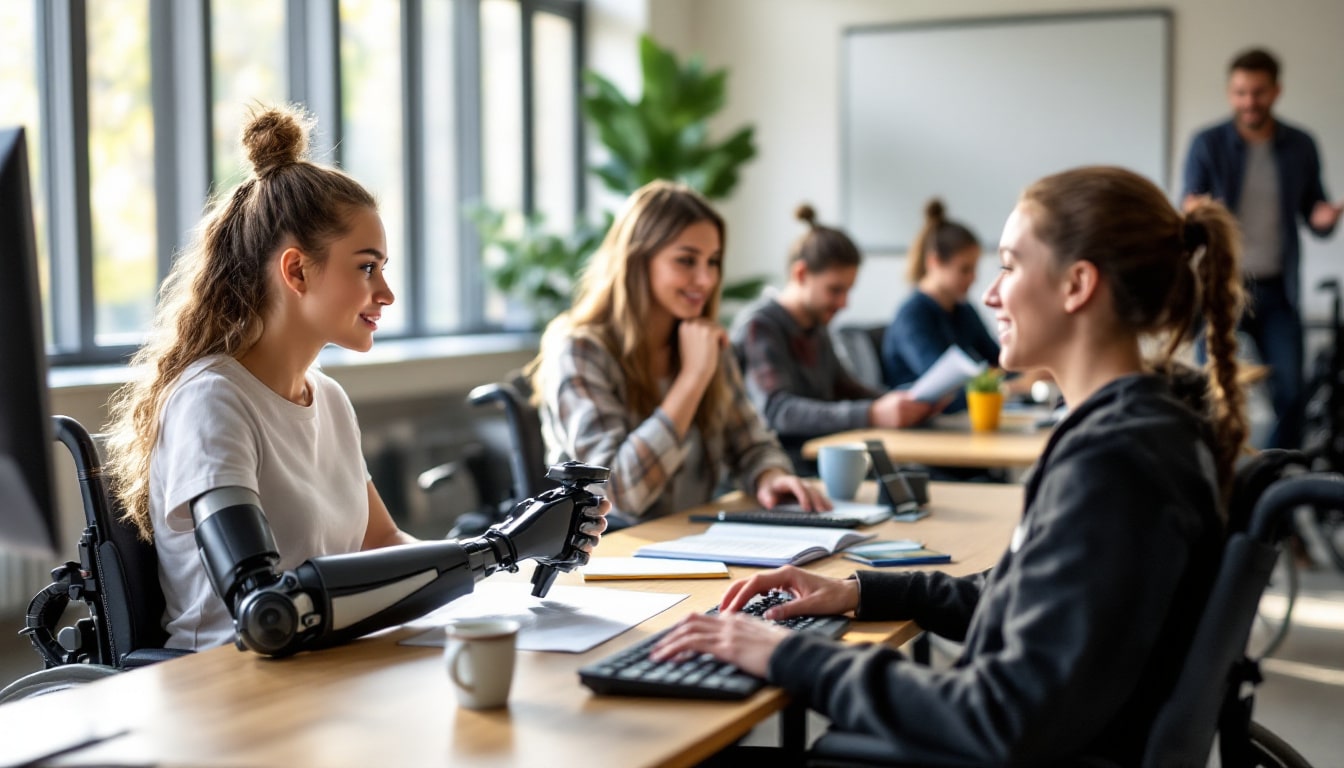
(1213, 245)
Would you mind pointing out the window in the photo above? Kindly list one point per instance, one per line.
(18, 92)
(432, 104)
(121, 171)
(372, 128)
(248, 68)
(555, 119)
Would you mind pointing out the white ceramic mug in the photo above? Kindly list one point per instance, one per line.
(842, 469)
(479, 654)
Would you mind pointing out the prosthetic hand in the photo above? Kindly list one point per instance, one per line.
(332, 599)
(549, 528)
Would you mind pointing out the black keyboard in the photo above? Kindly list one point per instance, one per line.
(779, 518)
(631, 672)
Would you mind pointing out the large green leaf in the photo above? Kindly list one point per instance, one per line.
(662, 134)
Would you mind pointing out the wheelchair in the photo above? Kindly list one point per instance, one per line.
(116, 578)
(1214, 695)
(1323, 420)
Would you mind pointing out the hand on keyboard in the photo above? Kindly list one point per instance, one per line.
(813, 593)
(680, 667)
(741, 639)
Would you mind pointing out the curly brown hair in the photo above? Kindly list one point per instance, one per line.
(216, 294)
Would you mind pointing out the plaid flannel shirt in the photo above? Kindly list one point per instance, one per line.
(584, 417)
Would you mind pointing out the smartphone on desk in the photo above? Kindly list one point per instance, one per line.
(895, 488)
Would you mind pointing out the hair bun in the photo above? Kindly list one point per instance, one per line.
(934, 211)
(276, 137)
(805, 212)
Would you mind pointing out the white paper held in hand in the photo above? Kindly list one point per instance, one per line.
(950, 371)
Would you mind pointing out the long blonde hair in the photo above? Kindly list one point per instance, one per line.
(1165, 269)
(613, 298)
(215, 296)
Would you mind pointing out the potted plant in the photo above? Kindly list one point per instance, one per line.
(661, 135)
(984, 399)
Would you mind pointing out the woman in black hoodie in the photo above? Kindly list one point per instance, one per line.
(1076, 637)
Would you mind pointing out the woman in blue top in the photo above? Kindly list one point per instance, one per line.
(936, 316)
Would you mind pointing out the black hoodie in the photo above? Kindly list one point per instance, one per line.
(1076, 637)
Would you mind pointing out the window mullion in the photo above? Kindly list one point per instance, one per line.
(181, 91)
(580, 160)
(63, 72)
(413, 159)
(529, 113)
(470, 186)
(314, 28)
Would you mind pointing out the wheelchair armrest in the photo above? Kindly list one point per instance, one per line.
(838, 749)
(143, 657)
(435, 476)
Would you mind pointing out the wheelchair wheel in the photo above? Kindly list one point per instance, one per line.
(1268, 750)
(54, 679)
(1275, 612)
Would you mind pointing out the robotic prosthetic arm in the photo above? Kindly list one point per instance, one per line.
(332, 599)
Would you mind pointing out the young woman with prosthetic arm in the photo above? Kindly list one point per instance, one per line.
(1071, 646)
(241, 460)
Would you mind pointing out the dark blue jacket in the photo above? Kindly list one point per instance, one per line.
(922, 330)
(1216, 166)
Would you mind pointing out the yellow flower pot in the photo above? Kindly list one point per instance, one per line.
(984, 409)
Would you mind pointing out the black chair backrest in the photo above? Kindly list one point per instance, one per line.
(1184, 729)
(129, 611)
(860, 349)
(527, 459)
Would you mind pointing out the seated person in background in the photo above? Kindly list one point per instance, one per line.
(230, 400)
(942, 264)
(792, 373)
(1071, 646)
(639, 377)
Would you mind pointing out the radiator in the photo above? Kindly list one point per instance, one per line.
(21, 576)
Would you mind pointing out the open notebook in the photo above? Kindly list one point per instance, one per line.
(762, 545)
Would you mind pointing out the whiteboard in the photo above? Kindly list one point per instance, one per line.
(972, 111)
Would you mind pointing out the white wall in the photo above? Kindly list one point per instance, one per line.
(783, 60)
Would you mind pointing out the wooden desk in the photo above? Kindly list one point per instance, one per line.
(951, 444)
(374, 702)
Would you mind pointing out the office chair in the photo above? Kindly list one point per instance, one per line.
(527, 451)
(1207, 698)
(118, 580)
(860, 349)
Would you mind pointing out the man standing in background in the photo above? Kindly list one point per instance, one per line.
(1268, 173)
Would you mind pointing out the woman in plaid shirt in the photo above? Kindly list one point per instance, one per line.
(639, 377)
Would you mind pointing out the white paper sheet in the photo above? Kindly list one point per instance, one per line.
(952, 369)
(569, 619)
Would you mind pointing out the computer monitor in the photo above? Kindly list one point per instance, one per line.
(27, 502)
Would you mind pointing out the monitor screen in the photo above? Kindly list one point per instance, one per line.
(27, 503)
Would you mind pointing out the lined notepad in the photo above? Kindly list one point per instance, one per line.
(603, 568)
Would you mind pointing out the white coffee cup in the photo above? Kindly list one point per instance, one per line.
(479, 654)
(842, 468)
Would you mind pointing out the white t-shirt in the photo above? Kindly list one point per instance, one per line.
(222, 427)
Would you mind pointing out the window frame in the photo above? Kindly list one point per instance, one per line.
(182, 98)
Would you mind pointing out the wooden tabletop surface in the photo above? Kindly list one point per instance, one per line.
(949, 442)
(374, 702)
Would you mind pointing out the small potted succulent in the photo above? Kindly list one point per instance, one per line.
(984, 399)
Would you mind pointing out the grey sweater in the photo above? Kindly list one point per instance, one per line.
(1076, 637)
(794, 377)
